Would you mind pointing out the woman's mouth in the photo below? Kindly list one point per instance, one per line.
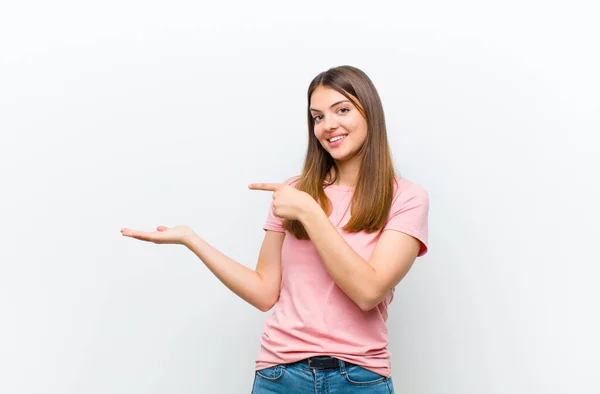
(337, 140)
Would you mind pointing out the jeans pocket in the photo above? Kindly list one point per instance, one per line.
(360, 376)
(271, 374)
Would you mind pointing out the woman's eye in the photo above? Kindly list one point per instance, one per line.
(319, 117)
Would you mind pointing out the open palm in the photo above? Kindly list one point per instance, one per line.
(163, 235)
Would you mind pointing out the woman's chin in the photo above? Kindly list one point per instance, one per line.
(340, 158)
(341, 154)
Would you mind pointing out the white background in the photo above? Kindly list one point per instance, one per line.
(138, 113)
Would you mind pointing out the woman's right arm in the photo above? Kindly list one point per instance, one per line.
(260, 287)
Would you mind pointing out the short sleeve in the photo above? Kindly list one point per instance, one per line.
(409, 214)
(273, 222)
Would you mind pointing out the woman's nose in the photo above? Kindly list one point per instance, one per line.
(330, 123)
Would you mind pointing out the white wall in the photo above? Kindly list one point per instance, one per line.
(134, 114)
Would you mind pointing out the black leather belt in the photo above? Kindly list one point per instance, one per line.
(323, 362)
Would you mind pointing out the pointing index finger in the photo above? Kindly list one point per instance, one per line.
(265, 186)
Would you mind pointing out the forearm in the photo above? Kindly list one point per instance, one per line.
(349, 270)
(243, 281)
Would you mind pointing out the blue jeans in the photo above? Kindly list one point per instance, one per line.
(299, 378)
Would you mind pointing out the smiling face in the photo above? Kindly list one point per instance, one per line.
(338, 125)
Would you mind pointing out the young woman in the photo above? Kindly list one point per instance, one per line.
(339, 238)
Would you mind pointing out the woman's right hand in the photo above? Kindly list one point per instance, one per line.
(164, 235)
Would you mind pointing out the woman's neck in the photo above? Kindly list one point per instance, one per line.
(346, 175)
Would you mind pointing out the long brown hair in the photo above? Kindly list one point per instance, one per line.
(374, 190)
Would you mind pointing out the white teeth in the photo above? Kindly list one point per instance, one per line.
(337, 138)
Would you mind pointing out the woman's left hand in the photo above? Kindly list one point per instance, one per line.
(288, 202)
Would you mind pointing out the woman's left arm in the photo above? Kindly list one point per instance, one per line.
(366, 283)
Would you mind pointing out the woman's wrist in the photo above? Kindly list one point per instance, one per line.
(189, 239)
(312, 213)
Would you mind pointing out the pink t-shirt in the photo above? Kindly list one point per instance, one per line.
(313, 316)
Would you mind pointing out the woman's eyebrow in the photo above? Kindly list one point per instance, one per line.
(332, 105)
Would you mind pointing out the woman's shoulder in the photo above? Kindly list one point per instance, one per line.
(293, 180)
(404, 187)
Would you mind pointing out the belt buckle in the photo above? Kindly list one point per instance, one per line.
(309, 362)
